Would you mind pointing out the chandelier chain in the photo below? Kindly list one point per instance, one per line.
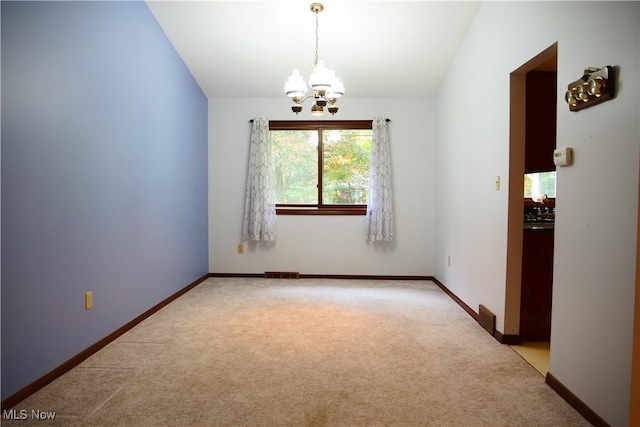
(315, 63)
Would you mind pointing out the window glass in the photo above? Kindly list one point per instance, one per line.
(345, 173)
(295, 153)
(539, 183)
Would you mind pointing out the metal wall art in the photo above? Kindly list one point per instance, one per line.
(594, 87)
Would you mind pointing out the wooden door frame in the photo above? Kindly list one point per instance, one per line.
(515, 221)
(634, 407)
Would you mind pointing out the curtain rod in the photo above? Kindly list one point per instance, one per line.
(386, 120)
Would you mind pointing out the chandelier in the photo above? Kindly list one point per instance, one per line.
(326, 86)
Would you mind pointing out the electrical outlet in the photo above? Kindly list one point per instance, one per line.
(240, 248)
(88, 300)
(449, 260)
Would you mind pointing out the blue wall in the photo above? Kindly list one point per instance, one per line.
(104, 177)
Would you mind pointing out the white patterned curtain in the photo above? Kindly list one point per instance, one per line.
(259, 206)
(380, 196)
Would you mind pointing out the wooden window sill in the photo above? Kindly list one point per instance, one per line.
(337, 210)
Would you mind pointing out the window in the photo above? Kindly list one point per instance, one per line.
(321, 167)
(539, 183)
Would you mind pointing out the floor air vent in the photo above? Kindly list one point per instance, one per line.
(281, 275)
(487, 319)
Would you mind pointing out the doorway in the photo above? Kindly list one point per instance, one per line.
(634, 411)
(530, 251)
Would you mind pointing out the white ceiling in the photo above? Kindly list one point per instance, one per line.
(380, 49)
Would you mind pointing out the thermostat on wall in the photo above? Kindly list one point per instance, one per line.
(563, 156)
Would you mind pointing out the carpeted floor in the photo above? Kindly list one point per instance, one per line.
(283, 352)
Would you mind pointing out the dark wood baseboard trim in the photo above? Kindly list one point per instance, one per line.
(508, 339)
(454, 297)
(363, 277)
(261, 275)
(28, 390)
(574, 401)
(330, 276)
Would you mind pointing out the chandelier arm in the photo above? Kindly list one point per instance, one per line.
(305, 98)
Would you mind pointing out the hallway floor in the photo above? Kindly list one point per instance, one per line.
(535, 353)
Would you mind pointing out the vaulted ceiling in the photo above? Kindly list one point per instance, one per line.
(380, 49)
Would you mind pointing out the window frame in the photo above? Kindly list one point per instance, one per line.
(319, 126)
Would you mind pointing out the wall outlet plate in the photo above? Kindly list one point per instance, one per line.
(88, 300)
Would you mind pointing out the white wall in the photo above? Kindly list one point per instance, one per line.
(595, 235)
(324, 244)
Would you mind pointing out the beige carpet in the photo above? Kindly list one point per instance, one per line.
(284, 352)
